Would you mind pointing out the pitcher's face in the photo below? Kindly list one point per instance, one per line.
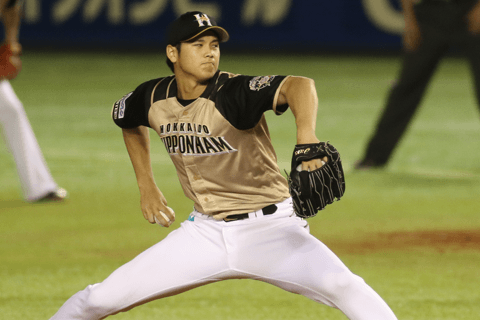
(200, 57)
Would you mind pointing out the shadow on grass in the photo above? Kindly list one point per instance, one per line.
(19, 203)
(13, 204)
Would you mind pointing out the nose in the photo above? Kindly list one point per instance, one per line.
(209, 53)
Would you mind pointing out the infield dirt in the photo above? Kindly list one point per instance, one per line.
(439, 240)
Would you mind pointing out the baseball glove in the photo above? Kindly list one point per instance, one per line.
(312, 191)
(10, 62)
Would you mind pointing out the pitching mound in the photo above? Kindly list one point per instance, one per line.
(441, 240)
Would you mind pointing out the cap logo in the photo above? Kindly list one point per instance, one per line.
(201, 19)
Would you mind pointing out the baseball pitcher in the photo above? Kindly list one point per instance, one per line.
(244, 223)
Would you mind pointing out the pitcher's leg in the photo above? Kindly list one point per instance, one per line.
(35, 177)
(296, 261)
(185, 259)
(321, 276)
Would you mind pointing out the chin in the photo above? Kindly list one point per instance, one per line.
(207, 75)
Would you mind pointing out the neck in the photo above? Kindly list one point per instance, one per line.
(188, 89)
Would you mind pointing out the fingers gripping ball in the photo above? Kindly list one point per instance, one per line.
(10, 62)
(164, 216)
(312, 191)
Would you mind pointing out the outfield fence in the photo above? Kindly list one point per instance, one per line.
(253, 24)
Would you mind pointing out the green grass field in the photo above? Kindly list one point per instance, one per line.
(411, 231)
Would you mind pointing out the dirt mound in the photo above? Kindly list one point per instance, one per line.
(441, 240)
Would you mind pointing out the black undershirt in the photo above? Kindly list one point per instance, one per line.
(11, 3)
(185, 102)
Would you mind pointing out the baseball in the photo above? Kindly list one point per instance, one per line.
(164, 216)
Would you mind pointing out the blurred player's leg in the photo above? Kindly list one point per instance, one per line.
(471, 45)
(35, 177)
(404, 98)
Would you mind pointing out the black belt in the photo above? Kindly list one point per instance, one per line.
(271, 209)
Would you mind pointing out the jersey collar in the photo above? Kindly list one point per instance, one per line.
(172, 87)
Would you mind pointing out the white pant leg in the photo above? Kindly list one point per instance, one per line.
(35, 178)
(276, 249)
(279, 249)
(188, 257)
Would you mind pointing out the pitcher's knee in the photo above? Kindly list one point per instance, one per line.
(337, 284)
(98, 303)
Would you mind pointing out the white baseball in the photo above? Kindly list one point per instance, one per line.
(164, 216)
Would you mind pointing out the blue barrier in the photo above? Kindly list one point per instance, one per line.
(264, 24)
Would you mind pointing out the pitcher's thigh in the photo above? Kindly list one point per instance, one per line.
(298, 262)
(178, 263)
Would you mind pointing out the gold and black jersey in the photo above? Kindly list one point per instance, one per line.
(219, 143)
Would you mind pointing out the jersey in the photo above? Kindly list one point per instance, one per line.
(219, 143)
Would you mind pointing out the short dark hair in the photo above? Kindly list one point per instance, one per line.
(169, 63)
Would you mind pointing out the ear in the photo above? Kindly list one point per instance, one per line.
(172, 53)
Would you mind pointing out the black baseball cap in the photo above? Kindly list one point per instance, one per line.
(189, 25)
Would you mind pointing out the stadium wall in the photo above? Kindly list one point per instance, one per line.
(342, 25)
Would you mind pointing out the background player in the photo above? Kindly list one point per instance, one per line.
(243, 224)
(431, 27)
(35, 178)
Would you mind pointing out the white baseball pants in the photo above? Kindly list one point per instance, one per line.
(276, 249)
(35, 178)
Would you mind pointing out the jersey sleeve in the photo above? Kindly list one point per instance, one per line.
(243, 99)
(132, 109)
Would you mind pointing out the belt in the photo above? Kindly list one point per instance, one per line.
(271, 209)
